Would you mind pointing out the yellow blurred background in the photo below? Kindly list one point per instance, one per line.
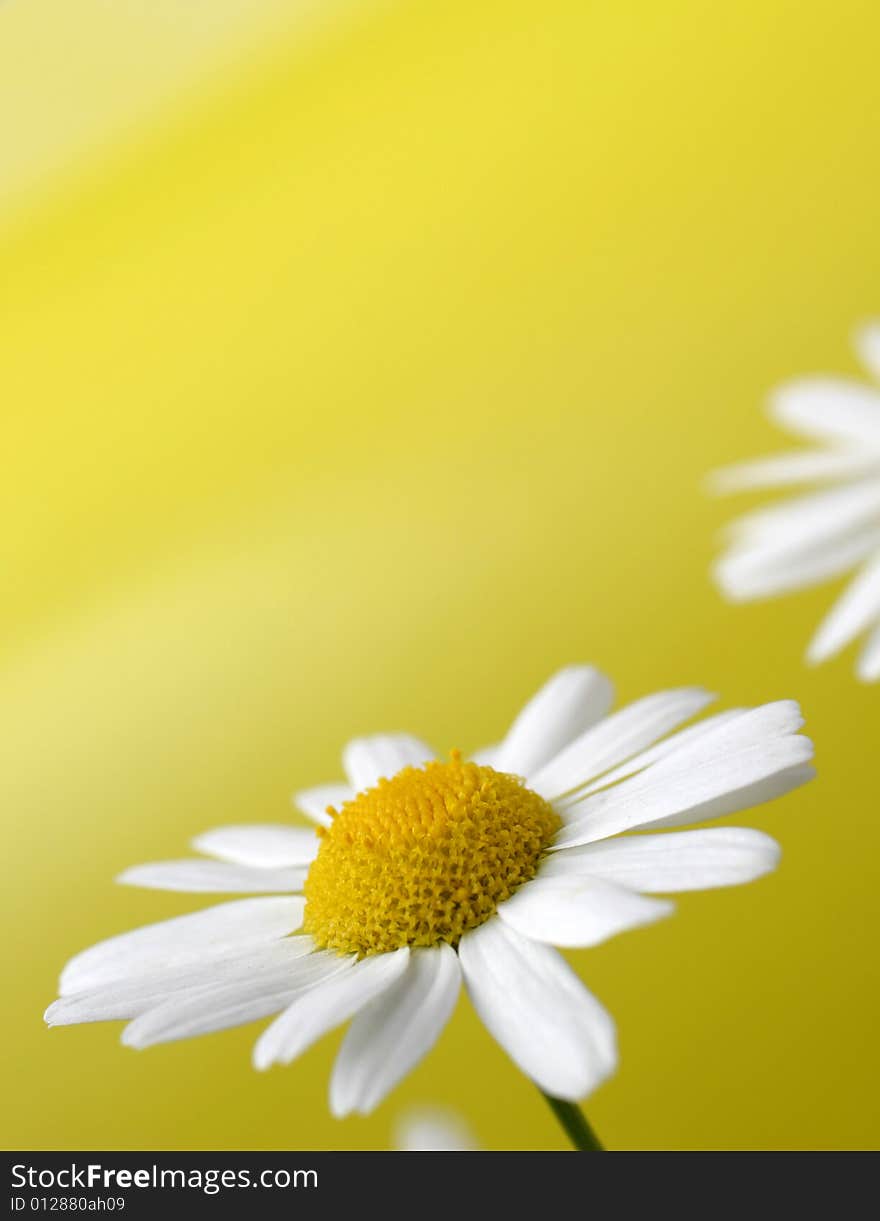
(357, 372)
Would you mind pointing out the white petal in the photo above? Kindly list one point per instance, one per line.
(182, 940)
(432, 1130)
(740, 762)
(204, 1010)
(802, 522)
(486, 756)
(538, 1010)
(747, 727)
(706, 791)
(747, 572)
(567, 704)
(315, 802)
(757, 793)
(868, 667)
(369, 760)
(616, 738)
(660, 750)
(867, 344)
(212, 877)
(261, 846)
(128, 998)
(801, 466)
(392, 1034)
(578, 912)
(670, 862)
(836, 409)
(800, 540)
(315, 1013)
(857, 608)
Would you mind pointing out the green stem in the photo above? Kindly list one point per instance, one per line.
(576, 1125)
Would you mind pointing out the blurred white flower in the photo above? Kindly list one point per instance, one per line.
(818, 536)
(452, 871)
(433, 1130)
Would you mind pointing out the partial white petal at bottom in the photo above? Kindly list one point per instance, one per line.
(432, 1130)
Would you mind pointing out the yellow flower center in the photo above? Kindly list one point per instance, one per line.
(423, 857)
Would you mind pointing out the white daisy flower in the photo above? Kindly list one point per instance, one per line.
(422, 874)
(814, 537)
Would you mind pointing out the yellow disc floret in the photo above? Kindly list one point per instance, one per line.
(423, 857)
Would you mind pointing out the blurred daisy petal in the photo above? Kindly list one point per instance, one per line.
(856, 609)
(432, 1130)
(827, 408)
(806, 522)
(800, 466)
(750, 572)
(811, 538)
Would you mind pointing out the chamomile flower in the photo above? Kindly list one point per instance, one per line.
(822, 534)
(424, 873)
